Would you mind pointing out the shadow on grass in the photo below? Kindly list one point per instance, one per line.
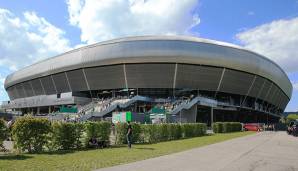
(144, 148)
(14, 157)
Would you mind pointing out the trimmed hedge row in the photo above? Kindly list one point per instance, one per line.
(153, 133)
(37, 134)
(3, 132)
(225, 127)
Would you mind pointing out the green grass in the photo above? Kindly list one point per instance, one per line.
(99, 158)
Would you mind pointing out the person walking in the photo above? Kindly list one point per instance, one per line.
(129, 134)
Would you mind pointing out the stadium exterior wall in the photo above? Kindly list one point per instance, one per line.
(155, 62)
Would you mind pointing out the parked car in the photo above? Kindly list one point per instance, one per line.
(252, 127)
(293, 128)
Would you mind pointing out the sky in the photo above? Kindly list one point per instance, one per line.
(33, 30)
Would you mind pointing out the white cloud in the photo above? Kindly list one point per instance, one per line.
(295, 86)
(25, 40)
(277, 40)
(106, 19)
(28, 39)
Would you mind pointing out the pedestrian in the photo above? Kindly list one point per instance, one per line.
(129, 134)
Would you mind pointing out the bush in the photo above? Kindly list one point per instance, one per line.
(3, 132)
(67, 135)
(225, 127)
(98, 130)
(121, 130)
(136, 132)
(176, 131)
(30, 134)
(153, 133)
(193, 129)
(165, 132)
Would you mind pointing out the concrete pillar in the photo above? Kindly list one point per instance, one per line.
(50, 109)
(38, 110)
(189, 115)
(211, 120)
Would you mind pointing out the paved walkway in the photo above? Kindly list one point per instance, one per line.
(272, 151)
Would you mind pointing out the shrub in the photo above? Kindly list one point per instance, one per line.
(176, 131)
(153, 133)
(200, 129)
(165, 132)
(3, 132)
(67, 135)
(225, 127)
(121, 130)
(98, 130)
(136, 132)
(149, 133)
(30, 134)
(187, 130)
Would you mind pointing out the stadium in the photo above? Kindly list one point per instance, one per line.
(185, 78)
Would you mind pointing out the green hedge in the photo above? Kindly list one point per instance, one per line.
(31, 134)
(98, 130)
(121, 130)
(153, 133)
(3, 132)
(66, 135)
(225, 127)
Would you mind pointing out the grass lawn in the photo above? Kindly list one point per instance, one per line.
(99, 158)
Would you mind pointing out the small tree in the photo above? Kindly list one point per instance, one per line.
(30, 134)
(3, 132)
(64, 135)
(98, 130)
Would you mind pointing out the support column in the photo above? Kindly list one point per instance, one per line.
(211, 120)
(38, 110)
(50, 109)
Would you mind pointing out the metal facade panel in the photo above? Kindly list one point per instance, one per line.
(76, 80)
(266, 88)
(20, 90)
(10, 93)
(150, 75)
(108, 77)
(15, 92)
(279, 99)
(61, 83)
(273, 91)
(28, 89)
(198, 77)
(284, 101)
(236, 82)
(257, 87)
(275, 97)
(48, 85)
(37, 88)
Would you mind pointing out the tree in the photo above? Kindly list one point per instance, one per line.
(3, 132)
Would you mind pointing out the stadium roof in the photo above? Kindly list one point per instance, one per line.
(152, 49)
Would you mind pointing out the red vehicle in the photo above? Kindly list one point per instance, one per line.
(252, 127)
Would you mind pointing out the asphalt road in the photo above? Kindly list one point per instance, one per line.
(265, 151)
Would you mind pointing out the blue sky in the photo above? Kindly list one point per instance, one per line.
(33, 30)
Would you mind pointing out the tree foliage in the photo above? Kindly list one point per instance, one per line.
(3, 131)
(31, 134)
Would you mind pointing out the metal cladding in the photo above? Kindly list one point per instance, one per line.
(155, 62)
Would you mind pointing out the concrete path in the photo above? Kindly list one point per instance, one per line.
(266, 151)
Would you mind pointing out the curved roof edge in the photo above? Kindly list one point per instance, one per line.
(25, 74)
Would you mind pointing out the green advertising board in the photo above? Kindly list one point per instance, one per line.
(120, 117)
